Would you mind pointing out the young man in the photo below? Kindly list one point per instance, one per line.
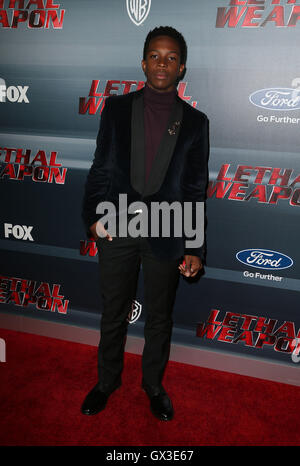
(153, 147)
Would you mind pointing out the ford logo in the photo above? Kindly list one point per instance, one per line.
(264, 259)
(278, 98)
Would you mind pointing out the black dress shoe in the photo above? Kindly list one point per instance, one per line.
(160, 404)
(96, 400)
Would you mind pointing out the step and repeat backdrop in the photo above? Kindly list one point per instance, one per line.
(59, 62)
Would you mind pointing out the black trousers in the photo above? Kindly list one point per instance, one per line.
(119, 262)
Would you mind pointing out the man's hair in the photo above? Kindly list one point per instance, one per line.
(170, 32)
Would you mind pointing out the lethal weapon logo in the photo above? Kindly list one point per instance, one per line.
(22, 292)
(252, 331)
(258, 13)
(95, 101)
(36, 14)
(88, 247)
(266, 185)
(16, 165)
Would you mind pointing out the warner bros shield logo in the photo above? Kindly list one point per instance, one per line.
(135, 312)
(138, 10)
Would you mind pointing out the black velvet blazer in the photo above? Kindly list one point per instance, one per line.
(179, 171)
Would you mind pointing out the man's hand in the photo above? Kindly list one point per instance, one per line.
(190, 266)
(96, 228)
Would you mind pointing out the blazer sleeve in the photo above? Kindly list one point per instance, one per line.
(98, 179)
(195, 178)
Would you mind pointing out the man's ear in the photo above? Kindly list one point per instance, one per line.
(181, 70)
(144, 66)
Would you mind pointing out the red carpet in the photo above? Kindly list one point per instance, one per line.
(44, 381)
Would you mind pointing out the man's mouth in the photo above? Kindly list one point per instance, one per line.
(161, 75)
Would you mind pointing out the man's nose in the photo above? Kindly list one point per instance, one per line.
(162, 61)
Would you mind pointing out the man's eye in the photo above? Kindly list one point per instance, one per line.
(153, 55)
(172, 58)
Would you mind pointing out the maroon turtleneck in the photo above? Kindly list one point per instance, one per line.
(157, 108)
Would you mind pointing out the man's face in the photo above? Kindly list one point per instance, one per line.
(162, 64)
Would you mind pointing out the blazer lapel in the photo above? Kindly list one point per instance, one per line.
(165, 151)
(137, 160)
